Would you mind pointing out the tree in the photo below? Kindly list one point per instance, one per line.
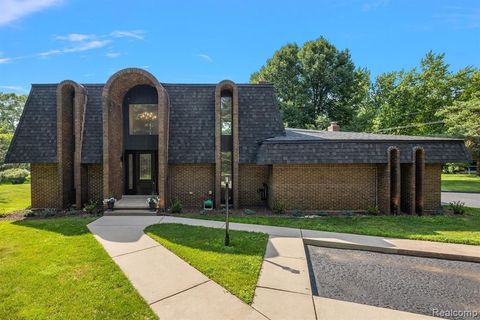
(315, 83)
(11, 106)
(462, 119)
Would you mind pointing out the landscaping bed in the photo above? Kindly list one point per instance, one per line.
(55, 269)
(463, 229)
(235, 267)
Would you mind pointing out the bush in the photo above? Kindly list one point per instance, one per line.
(279, 207)
(373, 211)
(176, 206)
(457, 207)
(14, 176)
(297, 213)
(91, 206)
(454, 167)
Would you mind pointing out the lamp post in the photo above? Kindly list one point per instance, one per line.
(228, 184)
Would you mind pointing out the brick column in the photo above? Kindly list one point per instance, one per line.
(407, 203)
(394, 163)
(419, 163)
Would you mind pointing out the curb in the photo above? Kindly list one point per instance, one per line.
(406, 252)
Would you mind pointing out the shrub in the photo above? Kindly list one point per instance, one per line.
(176, 206)
(454, 167)
(297, 213)
(457, 207)
(14, 176)
(279, 207)
(373, 211)
(91, 206)
(249, 212)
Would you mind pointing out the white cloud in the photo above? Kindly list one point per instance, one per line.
(75, 37)
(136, 34)
(205, 57)
(459, 17)
(11, 10)
(13, 88)
(83, 46)
(112, 54)
(374, 4)
(5, 60)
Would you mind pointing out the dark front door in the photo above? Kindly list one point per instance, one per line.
(140, 172)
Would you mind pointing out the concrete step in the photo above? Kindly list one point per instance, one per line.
(129, 212)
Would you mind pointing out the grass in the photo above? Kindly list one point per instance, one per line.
(454, 229)
(14, 197)
(236, 267)
(55, 269)
(460, 182)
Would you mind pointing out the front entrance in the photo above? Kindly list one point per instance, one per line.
(141, 172)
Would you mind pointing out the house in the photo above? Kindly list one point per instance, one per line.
(136, 135)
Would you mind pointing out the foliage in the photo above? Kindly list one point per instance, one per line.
(457, 207)
(373, 211)
(315, 83)
(11, 106)
(447, 228)
(176, 206)
(235, 267)
(278, 207)
(91, 206)
(460, 182)
(462, 119)
(14, 176)
(55, 269)
(297, 213)
(454, 167)
(5, 139)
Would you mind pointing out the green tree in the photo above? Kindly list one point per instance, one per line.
(11, 106)
(315, 83)
(462, 119)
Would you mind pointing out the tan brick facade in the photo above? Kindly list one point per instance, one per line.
(191, 183)
(251, 179)
(432, 186)
(44, 184)
(407, 198)
(95, 182)
(325, 187)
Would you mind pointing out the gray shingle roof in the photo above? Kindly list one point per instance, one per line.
(192, 123)
(310, 146)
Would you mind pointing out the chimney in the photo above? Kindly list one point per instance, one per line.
(334, 126)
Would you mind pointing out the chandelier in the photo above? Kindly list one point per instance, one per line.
(147, 116)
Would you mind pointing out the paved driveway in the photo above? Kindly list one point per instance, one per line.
(471, 200)
(406, 283)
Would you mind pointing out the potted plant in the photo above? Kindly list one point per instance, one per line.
(152, 202)
(110, 202)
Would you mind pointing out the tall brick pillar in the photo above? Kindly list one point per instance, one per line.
(419, 162)
(395, 183)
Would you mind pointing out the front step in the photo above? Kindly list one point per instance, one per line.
(124, 212)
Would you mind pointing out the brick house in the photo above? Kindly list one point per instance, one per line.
(135, 135)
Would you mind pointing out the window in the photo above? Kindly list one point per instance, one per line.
(145, 166)
(143, 119)
(226, 143)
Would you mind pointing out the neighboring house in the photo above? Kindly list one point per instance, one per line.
(135, 135)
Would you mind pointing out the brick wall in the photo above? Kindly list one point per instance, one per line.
(383, 185)
(252, 178)
(191, 183)
(45, 187)
(432, 186)
(328, 187)
(95, 182)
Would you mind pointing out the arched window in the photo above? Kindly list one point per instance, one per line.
(226, 156)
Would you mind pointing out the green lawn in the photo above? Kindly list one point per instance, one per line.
(455, 229)
(14, 197)
(55, 269)
(461, 182)
(236, 267)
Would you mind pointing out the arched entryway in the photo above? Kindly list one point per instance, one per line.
(134, 93)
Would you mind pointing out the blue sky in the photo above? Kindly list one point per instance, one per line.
(45, 41)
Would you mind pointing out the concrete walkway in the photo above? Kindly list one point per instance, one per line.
(470, 199)
(176, 290)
